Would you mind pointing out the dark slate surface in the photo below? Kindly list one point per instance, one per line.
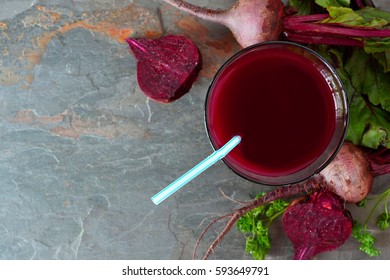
(82, 150)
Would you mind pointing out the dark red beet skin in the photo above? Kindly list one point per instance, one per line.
(317, 224)
(166, 67)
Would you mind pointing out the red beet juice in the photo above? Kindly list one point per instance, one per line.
(281, 105)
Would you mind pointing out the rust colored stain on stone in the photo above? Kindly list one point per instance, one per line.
(3, 25)
(8, 76)
(76, 126)
(30, 117)
(215, 51)
(116, 24)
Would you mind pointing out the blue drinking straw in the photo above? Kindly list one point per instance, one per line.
(196, 170)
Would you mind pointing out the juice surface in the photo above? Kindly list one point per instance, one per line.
(279, 104)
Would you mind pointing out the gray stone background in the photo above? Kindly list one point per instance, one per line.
(82, 150)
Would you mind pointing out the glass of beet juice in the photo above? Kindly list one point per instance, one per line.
(287, 104)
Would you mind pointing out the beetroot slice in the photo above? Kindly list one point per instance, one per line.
(166, 67)
(317, 224)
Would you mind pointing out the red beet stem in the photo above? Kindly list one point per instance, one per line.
(359, 3)
(364, 3)
(310, 39)
(379, 161)
(308, 29)
(300, 25)
(307, 18)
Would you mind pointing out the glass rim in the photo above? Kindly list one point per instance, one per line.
(336, 141)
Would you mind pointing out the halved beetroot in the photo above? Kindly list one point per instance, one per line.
(166, 67)
(317, 224)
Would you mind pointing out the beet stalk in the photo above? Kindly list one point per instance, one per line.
(364, 3)
(309, 30)
(379, 160)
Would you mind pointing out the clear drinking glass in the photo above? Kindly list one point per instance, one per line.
(289, 107)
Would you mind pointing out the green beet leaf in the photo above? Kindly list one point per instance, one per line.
(343, 16)
(333, 3)
(371, 13)
(369, 124)
(367, 17)
(303, 7)
(380, 50)
(369, 100)
(384, 59)
(367, 77)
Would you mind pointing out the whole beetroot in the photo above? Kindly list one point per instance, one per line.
(350, 174)
(250, 21)
(317, 224)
